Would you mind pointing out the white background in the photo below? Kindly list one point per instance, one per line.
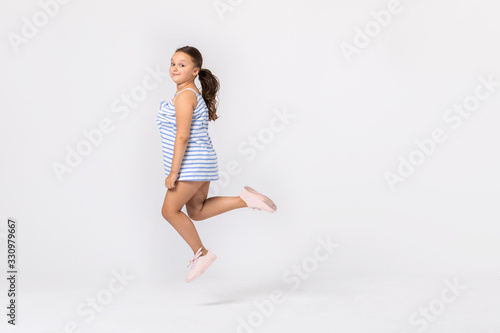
(349, 123)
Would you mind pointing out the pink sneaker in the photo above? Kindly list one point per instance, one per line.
(199, 264)
(256, 200)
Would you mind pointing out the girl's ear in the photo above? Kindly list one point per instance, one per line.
(196, 71)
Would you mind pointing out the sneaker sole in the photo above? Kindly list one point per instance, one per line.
(265, 199)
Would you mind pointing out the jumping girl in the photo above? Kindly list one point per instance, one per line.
(189, 158)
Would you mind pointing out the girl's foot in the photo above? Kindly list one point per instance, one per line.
(199, 264)
(256, 200)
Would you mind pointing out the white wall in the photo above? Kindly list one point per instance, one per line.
(350, 120)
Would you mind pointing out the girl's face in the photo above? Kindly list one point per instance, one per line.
(182, 68)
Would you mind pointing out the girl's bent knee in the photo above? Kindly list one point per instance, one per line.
(194, 215)
(167, 214)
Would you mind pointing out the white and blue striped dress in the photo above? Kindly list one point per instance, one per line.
(200, 159)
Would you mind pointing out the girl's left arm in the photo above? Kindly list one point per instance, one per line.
(184, 107)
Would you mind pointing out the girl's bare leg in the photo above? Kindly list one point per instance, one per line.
(175, 199)
(200, 208)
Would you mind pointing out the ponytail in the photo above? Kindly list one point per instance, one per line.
(209, 88)
(209, 82)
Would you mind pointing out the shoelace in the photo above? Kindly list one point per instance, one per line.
(193, 261)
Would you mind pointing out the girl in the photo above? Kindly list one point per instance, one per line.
(189, 158)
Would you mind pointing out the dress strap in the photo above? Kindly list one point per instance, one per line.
(187, 89)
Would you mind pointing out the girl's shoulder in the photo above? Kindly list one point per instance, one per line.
(188, 96)
(195, 90)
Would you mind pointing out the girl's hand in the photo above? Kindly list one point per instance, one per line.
(170, 180)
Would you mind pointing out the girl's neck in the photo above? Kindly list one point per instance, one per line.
(188, 84)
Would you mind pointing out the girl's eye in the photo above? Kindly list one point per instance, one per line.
(181, 65)
(171, 64)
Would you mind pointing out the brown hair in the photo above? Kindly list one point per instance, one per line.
(209, 82)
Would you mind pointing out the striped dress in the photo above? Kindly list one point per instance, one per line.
(200, 159)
